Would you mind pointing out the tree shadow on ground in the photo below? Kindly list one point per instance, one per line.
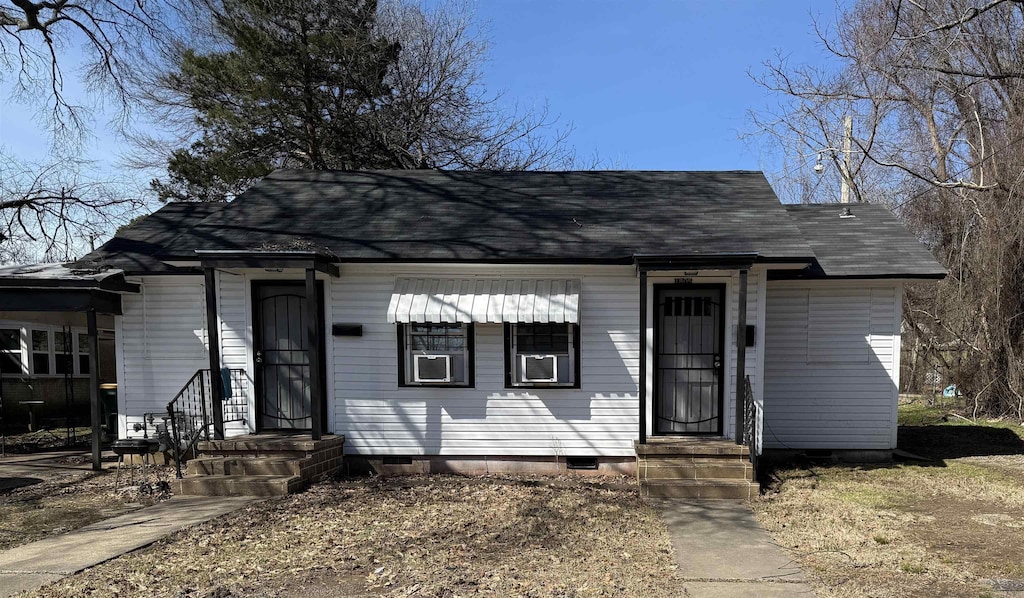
(8, 484)
(952, 442)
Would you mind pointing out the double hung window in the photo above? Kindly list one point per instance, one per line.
(542, 355)
(436, 354)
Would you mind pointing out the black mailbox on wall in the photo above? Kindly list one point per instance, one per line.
(343, 329)
(750, 335)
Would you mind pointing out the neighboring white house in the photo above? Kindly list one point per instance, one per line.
(482, 316)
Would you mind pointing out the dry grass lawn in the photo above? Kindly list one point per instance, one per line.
(433, 536)
(938, 528)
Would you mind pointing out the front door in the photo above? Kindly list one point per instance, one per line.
(281, 330)
(688, 335)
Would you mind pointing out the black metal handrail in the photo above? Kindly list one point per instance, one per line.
(189, 411)
(750, 417)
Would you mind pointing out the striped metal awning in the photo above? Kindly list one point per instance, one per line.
(485, 300)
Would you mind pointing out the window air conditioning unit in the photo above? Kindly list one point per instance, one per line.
(432, 368)
(539, 368)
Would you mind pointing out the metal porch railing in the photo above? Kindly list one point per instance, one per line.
(751, 417)
(190, 412)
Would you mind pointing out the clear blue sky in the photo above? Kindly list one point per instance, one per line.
(647, 84)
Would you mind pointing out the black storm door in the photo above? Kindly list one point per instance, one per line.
(280, 326)
(689, 326)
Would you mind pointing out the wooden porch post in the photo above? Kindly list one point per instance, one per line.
(643, 356)
(94, 387)
(213, 336)
(313, 328)
(741, 355)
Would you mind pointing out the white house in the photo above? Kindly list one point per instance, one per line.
(473, 321)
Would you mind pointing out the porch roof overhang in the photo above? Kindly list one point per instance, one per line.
(302, 260)
(485, 300)
(707, 261)
(57, 288)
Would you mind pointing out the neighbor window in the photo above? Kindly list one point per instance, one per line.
(435, 354)
(542, 355)
(10, 351)
(49, 352)
(41, 352)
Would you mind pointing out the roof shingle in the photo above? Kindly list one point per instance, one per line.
(488, 216)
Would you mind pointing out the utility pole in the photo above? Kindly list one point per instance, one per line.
(844, 196)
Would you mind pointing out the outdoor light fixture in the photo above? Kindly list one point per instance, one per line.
(818, 166)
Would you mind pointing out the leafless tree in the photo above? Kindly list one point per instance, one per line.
(54, 211)
(101, 40)
(449, 118)
(439, 113)
(937, 94)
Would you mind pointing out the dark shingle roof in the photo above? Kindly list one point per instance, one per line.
(483, 216)
(505, 216)
(140, 247)
(871, 244)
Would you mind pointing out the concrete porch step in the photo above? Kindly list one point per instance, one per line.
(708, 489)
(692, 446)
(280, 445)
(219, 466)
(693, 468)
(237, 485)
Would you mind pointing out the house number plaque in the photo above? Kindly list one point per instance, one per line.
(684, 280)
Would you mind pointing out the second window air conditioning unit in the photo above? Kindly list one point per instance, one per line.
(539, 368)
(432, 368)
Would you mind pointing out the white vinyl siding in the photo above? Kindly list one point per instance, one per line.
(831, 365)
(161, 342)
(235, 335)
(377, 417)
(174, 319)
(838, 324)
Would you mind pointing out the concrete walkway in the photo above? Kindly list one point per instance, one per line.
(49, 466)
(30, 566)
(720, 551)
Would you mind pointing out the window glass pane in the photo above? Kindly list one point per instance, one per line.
(40, 363)
(58, 343)
(83, 344)
(40, 340)
(542, 338)
(83, 364)
(64, 363)
(10, 363)
(10, 339)
(437, 337)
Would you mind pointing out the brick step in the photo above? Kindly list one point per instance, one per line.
(690, 468)
(220, 465)
(708, 489)
(237, 485)
(717, 448)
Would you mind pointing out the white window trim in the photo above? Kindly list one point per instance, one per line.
(27, 354)
(515, 358)
(21, 348)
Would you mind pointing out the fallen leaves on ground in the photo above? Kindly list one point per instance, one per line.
(414, 536)
(902, 530)
(71, 498)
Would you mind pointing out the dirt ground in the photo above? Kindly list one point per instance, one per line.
(940, 527)
(435, 536)
(33, 442)
(53, 493)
